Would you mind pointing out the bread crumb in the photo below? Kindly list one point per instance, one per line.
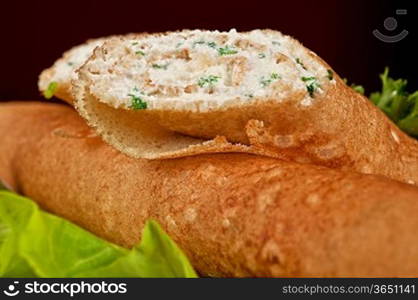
(313, 199)
(267, 196)
(284, 141)
(190, 214)
(226, 223)
(395, 136)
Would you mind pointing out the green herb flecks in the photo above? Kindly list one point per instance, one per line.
(135, 43)
(70, 63)
(266, 81)
(330, 74)
(208, 81)
(275, 43)
(50, 90)
(306, 79)
(160, 66)
(227, 50)
(311, 85)
(212, 45)
(139, 52)
(300, 63)
(200, 42)
(261, 55)
(137, 102)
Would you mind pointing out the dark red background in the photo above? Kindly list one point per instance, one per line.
(35, 33)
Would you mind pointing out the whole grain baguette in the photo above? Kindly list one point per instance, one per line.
(233, 214)
(133, 92)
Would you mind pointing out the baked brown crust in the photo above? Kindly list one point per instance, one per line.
(233, 214)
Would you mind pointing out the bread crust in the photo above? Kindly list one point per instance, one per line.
(233, 214)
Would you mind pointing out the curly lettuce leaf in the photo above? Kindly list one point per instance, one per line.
(394, 100)
(399, 105)
(409, 123)
(34, 243)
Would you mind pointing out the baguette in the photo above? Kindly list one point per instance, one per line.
(191, 92)
(233, 214)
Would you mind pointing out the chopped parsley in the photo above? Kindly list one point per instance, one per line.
(139, 52)
(276, 43)
(212, 44)
(300, 63)
(261, 55)
(330, 75)
(249, 95)
(70, 63)
(208, 81)
(50, 90)
(158, 66)
(179, 44)
(311, 85)
(305, 79)
(267, 81)
(201, 42)
(134, 43)
(137, 102)
(227, 51)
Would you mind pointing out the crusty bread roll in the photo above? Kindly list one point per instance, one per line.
(233, 214)
(184, 93)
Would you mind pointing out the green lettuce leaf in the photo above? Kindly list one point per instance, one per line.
(34, 243)
(394, 100)
(356, 87)
(397, 103)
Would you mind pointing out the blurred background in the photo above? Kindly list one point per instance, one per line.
(35, 33)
